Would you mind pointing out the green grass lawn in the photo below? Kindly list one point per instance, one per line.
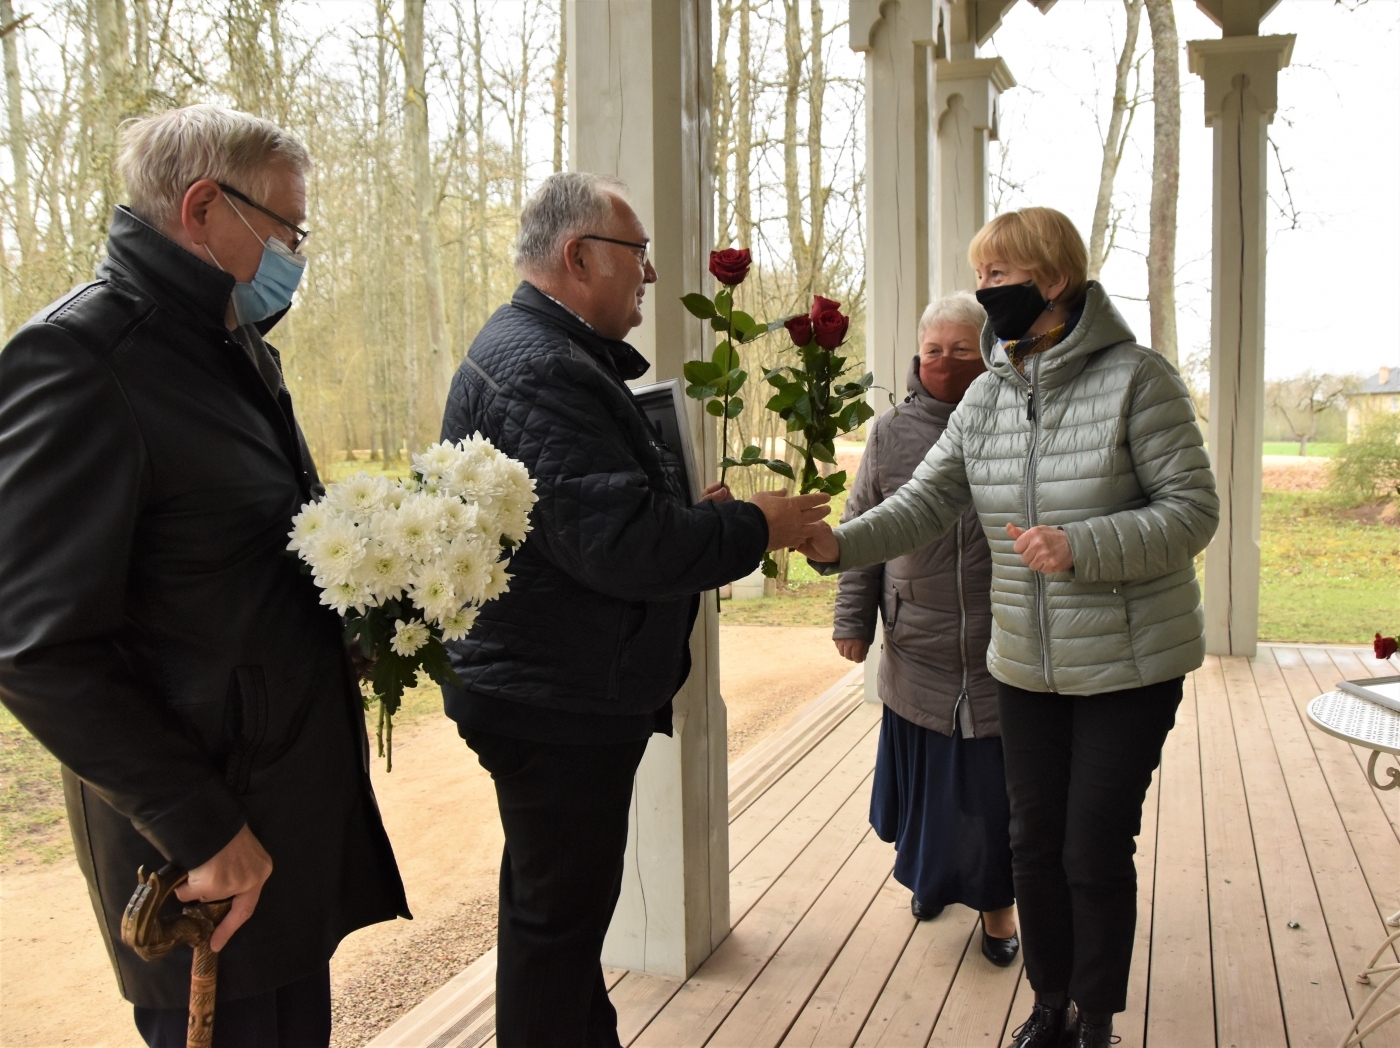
(1290, 447)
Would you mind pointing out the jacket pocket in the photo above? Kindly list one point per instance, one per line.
(633, 620)
(245, 724)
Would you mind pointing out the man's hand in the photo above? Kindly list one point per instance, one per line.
(821, 546)
(852, 649)
(716, 493)
(1043, 548)
(791, 521)
(238, 871)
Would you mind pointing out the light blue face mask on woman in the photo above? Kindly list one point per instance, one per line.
(271, 289)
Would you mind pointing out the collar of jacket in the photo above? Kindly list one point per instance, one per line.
(922, 399)
(617, 355)
(1100, 326)
(178, 280)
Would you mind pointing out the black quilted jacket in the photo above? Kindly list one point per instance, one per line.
(605, 589)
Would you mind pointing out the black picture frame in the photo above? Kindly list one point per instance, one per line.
(663, 403)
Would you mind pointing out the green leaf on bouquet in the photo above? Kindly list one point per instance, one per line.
(735, 406)
(745, 327)
(781, 468)
(835, 484)
(701, 392)
(724, 300)
(823, 451)
(702, 372)
(769, 567)
(725, 357)
(715, 408)
(392, 673)
(699, 305)
(752, 453)
(853, 414)
(718, 323)
(786, 397)
(433, 657)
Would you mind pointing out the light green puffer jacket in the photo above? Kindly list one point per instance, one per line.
(1099, 439)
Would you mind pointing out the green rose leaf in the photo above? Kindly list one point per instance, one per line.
(725, 357)
(736, 405)
(699, 306)
(698, 392)
(753, 453)
(715, 408)
(701, 372)
(824, 451)
(781, 468)
(769, 567)
(746, 327)
(724, 301)
(835, 484)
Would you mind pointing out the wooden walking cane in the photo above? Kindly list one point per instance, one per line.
(152, 938)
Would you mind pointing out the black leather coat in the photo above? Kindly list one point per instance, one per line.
(156, 636)
(598, 616)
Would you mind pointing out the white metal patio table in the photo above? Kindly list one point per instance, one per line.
(1368, 724)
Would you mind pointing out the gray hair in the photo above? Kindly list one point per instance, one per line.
(164, 154)
(961, 307)
(568, 204)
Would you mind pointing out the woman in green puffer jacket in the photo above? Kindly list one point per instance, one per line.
(1080, 451)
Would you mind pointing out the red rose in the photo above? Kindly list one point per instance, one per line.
(800, 328)
(821, 305)
(731, 265)
(829, 326)
(1385, 647)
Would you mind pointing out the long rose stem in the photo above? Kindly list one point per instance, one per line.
(724, 426)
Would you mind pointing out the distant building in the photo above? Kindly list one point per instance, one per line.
(1380, 392)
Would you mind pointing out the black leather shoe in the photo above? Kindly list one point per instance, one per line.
(1094, 1035)
(1044, 1029)
(922, 912)
(1001, 952)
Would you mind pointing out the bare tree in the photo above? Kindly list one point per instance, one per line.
(1101, 233)
(1302, 401)
(816, 189)
(557, 85)
(723, 123)
(1166, 177)
(743, 133)
(19, 134)
(792, 84)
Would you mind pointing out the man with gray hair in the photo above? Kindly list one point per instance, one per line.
(566, 676)
(154, 634)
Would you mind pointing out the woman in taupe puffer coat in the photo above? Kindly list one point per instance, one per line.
(939, 792)
(1080, 451)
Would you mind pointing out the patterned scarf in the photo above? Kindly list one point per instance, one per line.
(1019, 350)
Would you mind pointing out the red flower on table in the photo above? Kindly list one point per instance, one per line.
(1385, 647)
(731, 265)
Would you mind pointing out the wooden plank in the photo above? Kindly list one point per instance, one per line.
(1350, 665)
(462, 1006)
(1353, 923)
(769, 811)
(907, 1008)
(1131, 1023)
(1248, 1011)
(1181, 1002)
(773, 855)
(837, 1010)
(774, 999)
(637, 998)
(1310, 986)
(979, 1001)
(1370, 832)
(707, 997)
(1021, 1006)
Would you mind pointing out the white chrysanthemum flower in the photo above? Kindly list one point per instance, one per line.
(475, 478)
(415, 528)
(435, 462)
(307, 523)
(469, 560)
(342, 596)
(335, 549)
(434, 592)
(500, 582)
(384, 572)
(358, 496)
(458, 517)
(409, 637)
(458, 624)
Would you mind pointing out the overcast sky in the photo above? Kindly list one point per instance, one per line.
(1333, 293)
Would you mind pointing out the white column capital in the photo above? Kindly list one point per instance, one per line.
(980, 82)
(919, 17)
(1257, 58)
(1237, 17)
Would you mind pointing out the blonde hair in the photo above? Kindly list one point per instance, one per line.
(961, 307)
(164, 154)
(1038, 239)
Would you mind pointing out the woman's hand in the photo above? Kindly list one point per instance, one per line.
(852, 649)
(1042, 548)
(716, 493)
(821, 546)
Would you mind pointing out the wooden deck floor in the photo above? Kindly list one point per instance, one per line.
(1266, 866)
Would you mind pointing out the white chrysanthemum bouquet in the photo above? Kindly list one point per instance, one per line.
(409, 563)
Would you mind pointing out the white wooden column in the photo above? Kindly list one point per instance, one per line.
(639, 109)
(1241, 94)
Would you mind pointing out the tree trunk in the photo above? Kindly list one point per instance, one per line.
(1166, 176)
(792, 191)
(19, 138)
(816, 201)
(483, 263)
(743, 135)
(723, 106)
(415, 112)
(141, 46)
(109, 23)
(1100, 239)
(558, 84)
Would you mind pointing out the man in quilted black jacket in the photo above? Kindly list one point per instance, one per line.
(567, 675)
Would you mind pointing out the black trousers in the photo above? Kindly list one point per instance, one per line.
(564, 811)
(1077, 768)
(297, 1015)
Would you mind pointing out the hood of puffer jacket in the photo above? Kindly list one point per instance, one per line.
(1100, 326)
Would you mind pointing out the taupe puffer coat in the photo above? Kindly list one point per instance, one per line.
(936, 601)
(1098, 438)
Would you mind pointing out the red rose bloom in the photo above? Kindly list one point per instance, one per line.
(822, 305)
(731, 265)
(829, 326)
(800, 328)
(1385, 647)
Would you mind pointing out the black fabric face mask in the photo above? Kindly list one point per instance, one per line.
(1012, 308)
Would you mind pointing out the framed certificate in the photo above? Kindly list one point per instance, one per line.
(663, 403)
(1383, 691)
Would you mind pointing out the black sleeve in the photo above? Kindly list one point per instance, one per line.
(598, 518)
(72, 480)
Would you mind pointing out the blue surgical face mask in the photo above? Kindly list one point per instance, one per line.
(271, 289)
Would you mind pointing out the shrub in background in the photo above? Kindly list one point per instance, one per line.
(1368, 468)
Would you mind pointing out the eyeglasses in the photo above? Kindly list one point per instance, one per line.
(643, 258)
(302, 234)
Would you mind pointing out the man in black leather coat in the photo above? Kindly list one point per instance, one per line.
(155, 635)
(566, 676)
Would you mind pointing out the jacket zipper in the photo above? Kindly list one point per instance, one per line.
(1034, 417)
(962, 625)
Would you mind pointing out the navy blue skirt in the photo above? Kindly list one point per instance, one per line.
(942, 802)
